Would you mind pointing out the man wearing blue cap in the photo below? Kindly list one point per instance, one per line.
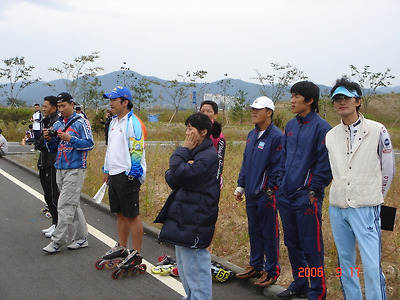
(124, 170)
(362, 162)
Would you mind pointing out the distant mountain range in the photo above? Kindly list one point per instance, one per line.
(37, 91)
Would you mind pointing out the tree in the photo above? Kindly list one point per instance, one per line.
(239, 105)
(90, 93)
(178, 90)
(14, 102)
(370, 81)
(278, 82)
(324, 102)
(142, 93)
(73, 74)
(201, 90)
(225, 85)
(140, 87)
(17, 73)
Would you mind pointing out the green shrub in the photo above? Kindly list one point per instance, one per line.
(15, 115)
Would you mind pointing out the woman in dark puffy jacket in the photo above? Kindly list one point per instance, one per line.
(191, 210)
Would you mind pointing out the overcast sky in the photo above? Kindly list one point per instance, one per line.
(166, 38)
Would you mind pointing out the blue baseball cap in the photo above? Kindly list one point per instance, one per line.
(341, 90)
(118, 92)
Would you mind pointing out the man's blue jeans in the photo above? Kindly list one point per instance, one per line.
(194, 266)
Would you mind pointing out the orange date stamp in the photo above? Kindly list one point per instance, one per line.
(353, 272)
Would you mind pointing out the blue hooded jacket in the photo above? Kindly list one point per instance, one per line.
(305, 164)
(261, 161)
(72, 154)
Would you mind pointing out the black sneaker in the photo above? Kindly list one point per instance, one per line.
(289, 294)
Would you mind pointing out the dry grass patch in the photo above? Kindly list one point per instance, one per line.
(232, 241)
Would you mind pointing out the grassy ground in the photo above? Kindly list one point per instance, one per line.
(231, 241)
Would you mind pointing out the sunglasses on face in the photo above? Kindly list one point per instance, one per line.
(339, 98)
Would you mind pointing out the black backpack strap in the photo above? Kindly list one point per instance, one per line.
(70, 123)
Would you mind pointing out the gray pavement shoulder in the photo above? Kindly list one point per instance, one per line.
(270, 292)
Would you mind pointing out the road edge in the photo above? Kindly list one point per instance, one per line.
(270, 291)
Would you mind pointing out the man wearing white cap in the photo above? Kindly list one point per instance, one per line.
(363, 166)
(258, 180)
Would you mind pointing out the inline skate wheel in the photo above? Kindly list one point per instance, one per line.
(124, 273)
(99, 265)
(111, 265)
(133, 271)
(115, 274)
(142, 268)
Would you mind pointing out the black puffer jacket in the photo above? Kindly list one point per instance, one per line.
(191, 210)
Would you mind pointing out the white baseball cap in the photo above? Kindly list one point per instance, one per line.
(262, 102)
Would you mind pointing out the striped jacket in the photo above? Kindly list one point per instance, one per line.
(72, 154)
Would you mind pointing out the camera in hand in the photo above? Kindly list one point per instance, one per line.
(51, 132)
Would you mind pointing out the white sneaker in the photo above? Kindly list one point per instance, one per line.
(49, 233)
(53, 247)
(81, 243)
(51, 228)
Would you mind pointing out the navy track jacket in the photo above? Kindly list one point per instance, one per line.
(261, 158)
(305, 163)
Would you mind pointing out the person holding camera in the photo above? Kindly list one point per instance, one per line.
(45, 164)
(72, 142)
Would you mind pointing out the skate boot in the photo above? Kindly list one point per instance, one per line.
(164, 265)
(130, 265)
(112, 258)
(219, 273)
(117, 251)
(162, 269)
(165, 260)
(132, 260)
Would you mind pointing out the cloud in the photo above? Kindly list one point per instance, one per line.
(7, 7)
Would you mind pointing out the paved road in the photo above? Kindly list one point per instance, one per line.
(30, 273)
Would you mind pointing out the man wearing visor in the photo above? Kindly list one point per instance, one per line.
(362, 162)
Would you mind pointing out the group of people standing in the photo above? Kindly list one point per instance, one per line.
(288, 172)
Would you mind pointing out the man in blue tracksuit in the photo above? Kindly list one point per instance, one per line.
(71, 140)
(258, 180)
(305, 172)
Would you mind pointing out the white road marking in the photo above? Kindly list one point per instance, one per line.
(167, 280)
